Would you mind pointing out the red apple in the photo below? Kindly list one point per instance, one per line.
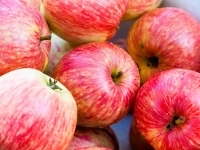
(25, 38)
(87, 138)
(103, 79)
(162, 39)
(137, 141)
(84, 21)
(92, 148)
(137, 8)
(36, 3)
(37, 112)
(167, 110)
(59, 48)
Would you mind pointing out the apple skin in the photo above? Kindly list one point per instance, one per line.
(36, 3)
(81, 22)
(137, 141)
(59, 48)
(34, 115)
(157, 41)
(167, 112)
(137, 8)
(92, 148)
(25, 38)
(103, 79)
(85, 138)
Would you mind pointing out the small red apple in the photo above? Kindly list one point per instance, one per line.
(37, 112)
(85, 137)
(137, 8)
(162, 39)
(167, 110)
(137, 141)
(85, 21)
(25, 37)
(103, 78)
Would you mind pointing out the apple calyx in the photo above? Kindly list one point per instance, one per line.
(116, 76)
(152, 62)
(43, 38)
(176, 121)
(52, 84)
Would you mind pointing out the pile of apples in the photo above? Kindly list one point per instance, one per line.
(64, 83)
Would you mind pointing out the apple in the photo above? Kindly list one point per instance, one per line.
(86, 138)
(188, 5)
(37, 112)
(157, 41)
(35, 3)
(81, 22)
(137, 8)
(166, 110)
(92, 148)
(25, 38)
(137, 141)
(59, 48)
(103, 78)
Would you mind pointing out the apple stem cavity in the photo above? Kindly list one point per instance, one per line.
(52, 84)
(116, 76)
(152, 62)
(43, 38)
(177, 120)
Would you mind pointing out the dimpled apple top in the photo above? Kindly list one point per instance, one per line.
(35, 114)
(103, 79)
(167, 110)
(162, 39)
(83, 21)
(24, 38)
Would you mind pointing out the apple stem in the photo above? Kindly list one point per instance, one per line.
(119, 74)
(43, 38)
(52, 84)
(179, 120)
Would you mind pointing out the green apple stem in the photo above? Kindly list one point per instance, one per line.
(179, 120)
(52, 84)
(43, 38)
(116, 76)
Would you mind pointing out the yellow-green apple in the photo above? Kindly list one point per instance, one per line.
(190, 6)
(137, 8)
(37, 112)
(85, 137)
(167, 112)
(85, 21)
(103, 78)
(25, 37)
(59, 48)
(137, 141)
(162, 39)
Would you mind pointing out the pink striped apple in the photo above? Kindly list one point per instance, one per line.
(162, 39)
(103, 78)
(167, 110)
(85, 137)
(25, 37)
(137, 8)
(79, 21)
(37, 112)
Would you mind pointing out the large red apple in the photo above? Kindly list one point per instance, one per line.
(25, 37)
(137, 141)
(35, 3)
(137, 8)
(93, 137)
(79, 21)
(37, 112)
(167, 110)
(103, 79)
(162, 39)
